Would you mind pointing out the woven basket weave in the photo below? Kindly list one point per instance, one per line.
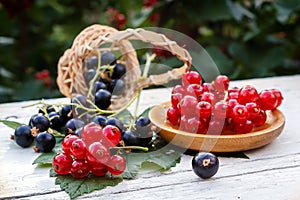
(99, 38)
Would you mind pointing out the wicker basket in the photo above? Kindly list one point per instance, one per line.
(91, 40)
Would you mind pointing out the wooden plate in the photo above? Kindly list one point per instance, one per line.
(218, 143)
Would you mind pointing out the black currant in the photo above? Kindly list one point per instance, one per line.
(99, 85)
(23, 136)
(205, 165)
(116, 122)
(108, 58)
(66, 113)
(44, 142)
(99, 119)
(89, 75)
(56, 122)
(117, 87)
(48, 108)
(40, 122)
(92, 63)
(72, 125)
(103, 99)
(130, 139)
(119, 71)
(143, 125)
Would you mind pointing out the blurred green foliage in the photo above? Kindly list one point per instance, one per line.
(245, 38)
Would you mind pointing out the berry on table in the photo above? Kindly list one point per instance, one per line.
(44, 142)
(67, 143)
(41, 123)
(62, 163)
(191, 77)
(22, 136)
(78, 149)
(112, 133)
(205, 165)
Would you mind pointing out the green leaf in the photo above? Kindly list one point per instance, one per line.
(76, 187)
(11, 124)
(125, 116)
(165, 158)
(145, 113)
(44, 158)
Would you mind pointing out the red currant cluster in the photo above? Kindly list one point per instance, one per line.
(91, 153)
(214, 108)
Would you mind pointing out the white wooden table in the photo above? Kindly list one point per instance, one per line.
(272, 172)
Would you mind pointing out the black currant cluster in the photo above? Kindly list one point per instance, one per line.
(107, 83)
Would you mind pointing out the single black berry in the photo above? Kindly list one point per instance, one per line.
(66, 113)
(103, 99)
(99, 85)
(108, 58)
(56, 122)
(72, 125)
(205, 165)
(89, 75)
(119, 71)
(23, 136)
(130, 139)
(116, 87)
(116, 122)
(48, 109)
(44, 142)
(40, 122)
(92, 63)
(99, 119)
(143, 125)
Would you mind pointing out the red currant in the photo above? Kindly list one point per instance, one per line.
(62, 163)
(260, 119)
(247, 94)
(178, 89)
(253, 110)
(78, 149)
(176, 98)
(98, 153)
(221, 83)
(112, 133)
(233, 95)
(208, 87)
(116, 165)
(67, 143)
(209, 97)
(204, 109)
(220, 110)
(268, 100)
(195, 125)
(239, 114)
(187, 105)
(80, 168)
(191, 77)
(216, 126)
(91, 132)
(230, 105)
(194, 90)
(173, 115)
(244, 127)
(98, 169)
(279, 96)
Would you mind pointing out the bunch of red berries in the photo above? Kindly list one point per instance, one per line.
(91, 153)
(214, 108)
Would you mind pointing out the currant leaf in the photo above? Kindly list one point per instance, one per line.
(11, 124)
(77, 187)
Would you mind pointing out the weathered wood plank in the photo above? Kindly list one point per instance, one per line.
(273, 172)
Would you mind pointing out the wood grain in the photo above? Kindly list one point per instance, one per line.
(271, 173)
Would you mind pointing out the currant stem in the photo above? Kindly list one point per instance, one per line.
(133, 147)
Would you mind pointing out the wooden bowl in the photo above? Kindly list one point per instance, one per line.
(259, 137)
